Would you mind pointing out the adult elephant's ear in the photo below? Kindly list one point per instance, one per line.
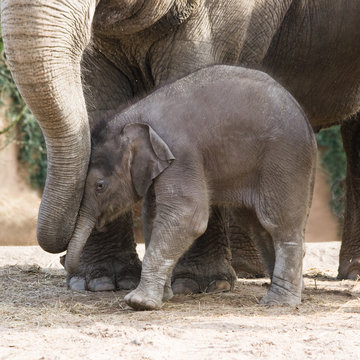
(149, 153)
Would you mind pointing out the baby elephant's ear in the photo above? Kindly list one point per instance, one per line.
(150, 156)
(161, 150)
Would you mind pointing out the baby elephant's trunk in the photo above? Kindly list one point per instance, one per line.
(84, 226)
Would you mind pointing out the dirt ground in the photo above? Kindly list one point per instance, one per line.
(41, 319)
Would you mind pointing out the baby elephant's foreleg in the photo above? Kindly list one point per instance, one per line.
(286, 281)
(174, 230)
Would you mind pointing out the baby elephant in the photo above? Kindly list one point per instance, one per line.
(224, 136)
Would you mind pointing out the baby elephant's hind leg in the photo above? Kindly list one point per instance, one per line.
(286, 281)
(283, 212)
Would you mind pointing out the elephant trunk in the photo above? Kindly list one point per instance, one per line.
(83, 229)
(44, 41)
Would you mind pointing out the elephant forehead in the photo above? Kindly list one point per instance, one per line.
(102, 165)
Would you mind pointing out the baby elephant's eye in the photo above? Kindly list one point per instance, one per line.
(100, 185)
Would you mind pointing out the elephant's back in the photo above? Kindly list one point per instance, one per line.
(222, 100)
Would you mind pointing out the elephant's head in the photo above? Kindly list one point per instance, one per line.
(122, 168)
(44, 43)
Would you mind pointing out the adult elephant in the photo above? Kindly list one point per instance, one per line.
(76, 61)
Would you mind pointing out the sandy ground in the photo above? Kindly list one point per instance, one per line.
(41, 319)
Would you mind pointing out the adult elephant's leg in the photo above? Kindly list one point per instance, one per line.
(109, 260)
(349, 266)
(206, 266)
(246, 259)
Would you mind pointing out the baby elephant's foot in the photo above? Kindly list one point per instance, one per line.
(142, 299)
(278, 295)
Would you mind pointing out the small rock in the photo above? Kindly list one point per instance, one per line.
(136, 342)
(355, 289)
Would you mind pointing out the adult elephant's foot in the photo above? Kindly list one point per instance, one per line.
(349, 268)
(109, 260)
(349, 262)
(206, 266)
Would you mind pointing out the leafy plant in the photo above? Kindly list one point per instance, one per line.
(333, 159)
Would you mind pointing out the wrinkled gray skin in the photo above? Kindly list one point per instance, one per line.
(76, 61)
(245, 142)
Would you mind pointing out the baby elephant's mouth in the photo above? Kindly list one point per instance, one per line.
(100, 225)
(106, 218)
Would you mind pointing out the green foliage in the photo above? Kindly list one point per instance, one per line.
(22, 127)
(32, 150)
(333, 159)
